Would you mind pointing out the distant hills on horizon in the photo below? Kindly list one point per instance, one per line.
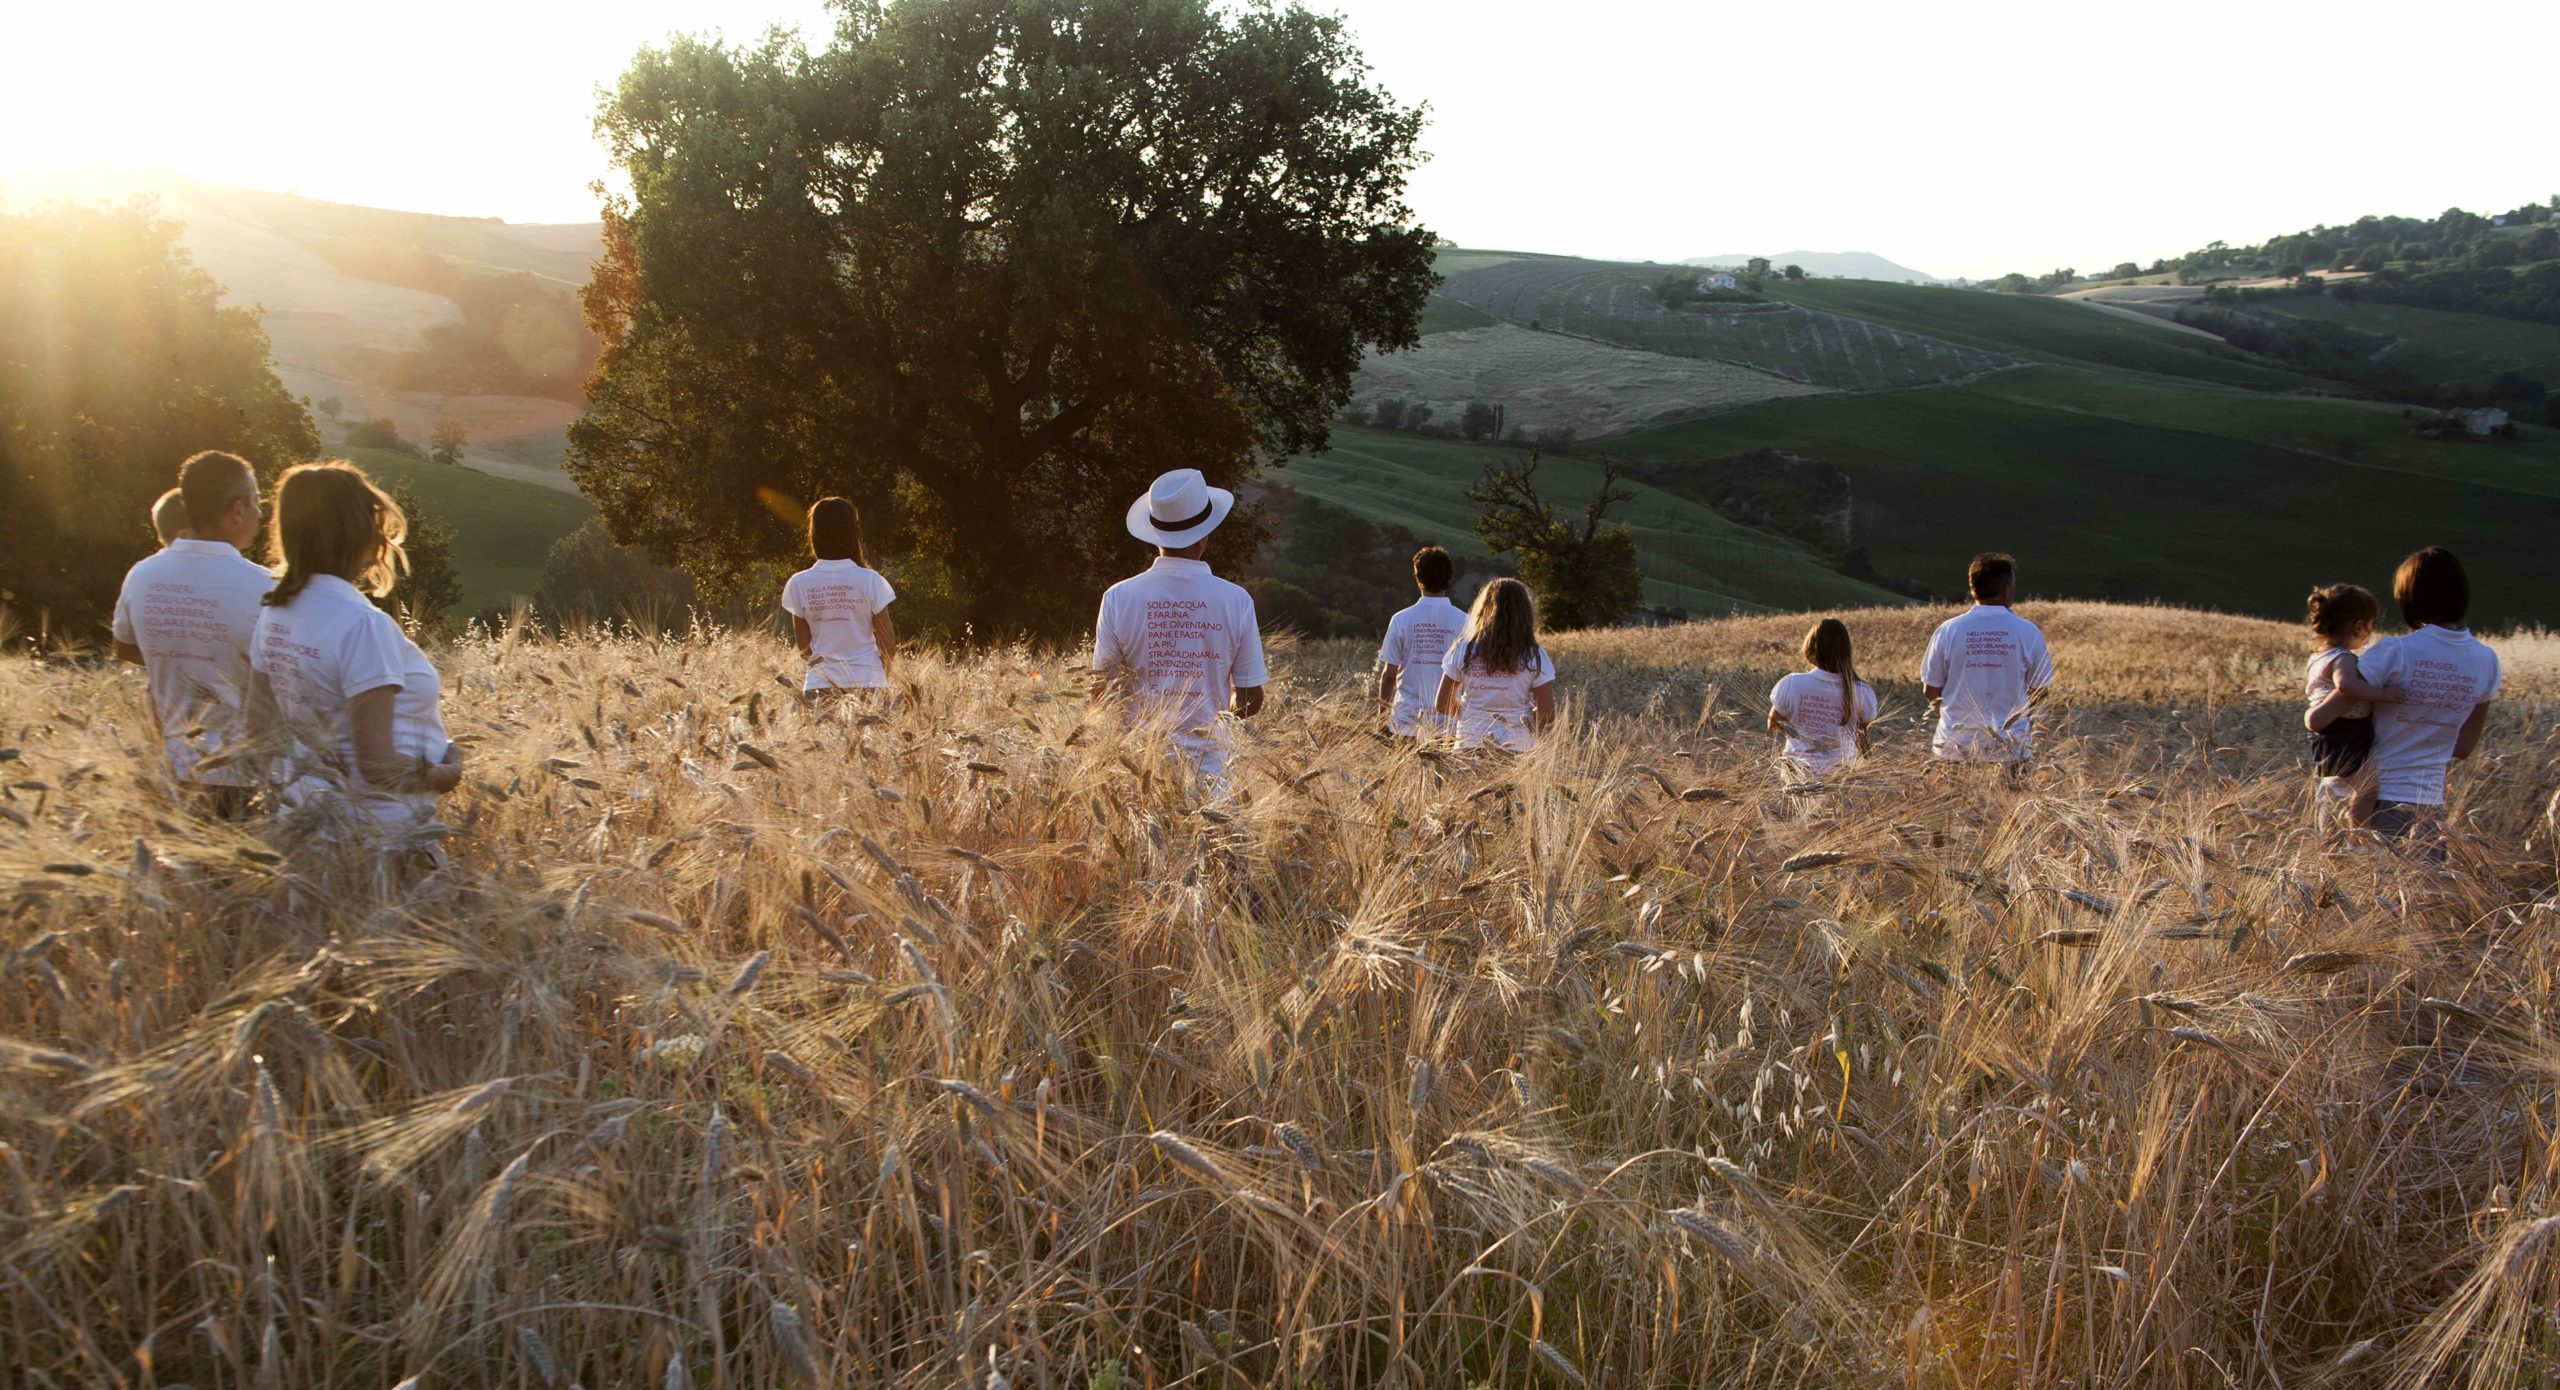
(1837, 265)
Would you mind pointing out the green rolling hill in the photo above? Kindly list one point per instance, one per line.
(1693, 557)
(2120, 459)
(2107, 488)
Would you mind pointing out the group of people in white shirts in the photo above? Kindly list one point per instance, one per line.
(288, 676)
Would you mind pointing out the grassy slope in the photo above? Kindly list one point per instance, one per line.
(1693, 558)
(2442, 346)
(1441, 314)
(2110, 487)
(503, 529)
(2038, 328)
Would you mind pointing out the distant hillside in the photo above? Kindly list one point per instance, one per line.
(413, 316)
(1841, 265)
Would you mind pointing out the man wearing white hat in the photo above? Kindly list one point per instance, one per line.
(1176, 638)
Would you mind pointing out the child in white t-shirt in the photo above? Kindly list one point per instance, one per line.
(1496, 680)
(359, 702)
(839, 606)
(1824, 711)
(1417, 639)
(2341, 700)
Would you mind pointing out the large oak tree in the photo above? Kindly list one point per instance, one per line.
(985, 267)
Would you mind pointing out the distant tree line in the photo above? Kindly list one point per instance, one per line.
(1478, 421)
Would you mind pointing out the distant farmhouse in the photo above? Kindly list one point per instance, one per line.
(1717, 280)
(1759, 265)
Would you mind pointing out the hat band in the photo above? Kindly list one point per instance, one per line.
(1185, 524)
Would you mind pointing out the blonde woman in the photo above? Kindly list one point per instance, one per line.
(1823, 710)
(358, 698)
(1496, 680)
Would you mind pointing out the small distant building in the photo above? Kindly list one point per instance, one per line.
(1717, 280)
(2474, 422)
(1759, 265)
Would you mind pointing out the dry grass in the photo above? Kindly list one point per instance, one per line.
(960, 1045)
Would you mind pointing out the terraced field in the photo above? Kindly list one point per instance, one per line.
(1613, 302)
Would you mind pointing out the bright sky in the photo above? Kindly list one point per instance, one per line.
(1969, 137)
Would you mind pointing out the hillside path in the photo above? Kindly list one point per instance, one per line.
(551, 478)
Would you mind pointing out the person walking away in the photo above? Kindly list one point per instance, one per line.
(1417, 639)
(185, 615)
(839, 607)
(1985, 670)
(2340, 710)
(1497, 680)
(1824, 710)
(169, 515)
(1175, 641)
(2446, 676)
(359, 700)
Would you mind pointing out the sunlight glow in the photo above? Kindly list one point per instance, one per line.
(1968, 138)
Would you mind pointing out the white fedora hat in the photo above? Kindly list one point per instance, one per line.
(1179, 510)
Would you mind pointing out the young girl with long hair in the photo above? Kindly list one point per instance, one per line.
(1496, 680)
(839, 606)
(1824, 710)
(360, 701)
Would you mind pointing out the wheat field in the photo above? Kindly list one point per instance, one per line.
(958, 1042)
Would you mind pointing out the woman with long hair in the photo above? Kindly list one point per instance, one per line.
(1824, 710)
(839, 606)
(359, 700)
(1497, 680)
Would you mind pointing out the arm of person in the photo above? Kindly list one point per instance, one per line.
(800, 635)
(2349, 681)
(126, 651)
(2325, 709)
(380, 763)
(1777, 721)
(1390, 676)
(2468, 739)
(1248, 701)
(1543, 701)
(885, 634)
(1447, 701)
(1110, 674)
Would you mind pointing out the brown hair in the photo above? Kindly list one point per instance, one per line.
(1502, 628)
(1827, 647)
(169, 516)
(1990, 574)
(212, 482)
(2335, 611)
(331, 519)
(835, 530)
(1432, 569)
(2432, 589)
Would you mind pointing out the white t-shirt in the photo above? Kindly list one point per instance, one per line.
(2446, 673)
(1986, 662)
(191, 608)
(1417, 639)
(1809, 701)
(2322, 677)
(1185, 639)
(837, 599)
(1496, 708)
(329, 645)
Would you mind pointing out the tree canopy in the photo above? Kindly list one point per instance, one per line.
(117, 361)
(986, 267)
